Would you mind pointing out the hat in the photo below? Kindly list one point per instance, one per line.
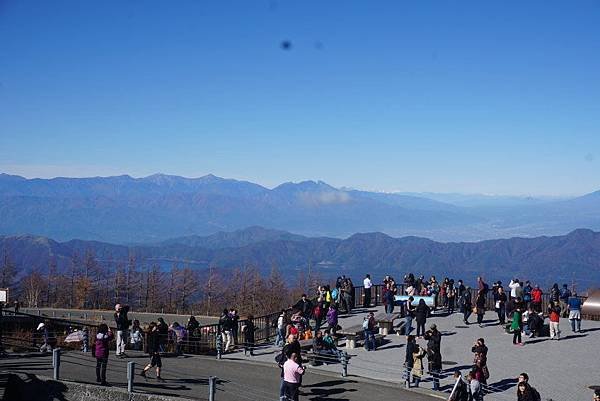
(433, 327)
(41, 326)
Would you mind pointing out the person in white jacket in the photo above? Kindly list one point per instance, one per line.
(515, 288)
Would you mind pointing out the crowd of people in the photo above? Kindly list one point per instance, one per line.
(519, 309)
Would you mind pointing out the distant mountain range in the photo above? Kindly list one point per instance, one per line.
(575, 256)
(130, 210)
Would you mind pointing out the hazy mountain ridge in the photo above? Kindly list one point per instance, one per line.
(547, 259)
(128, 210)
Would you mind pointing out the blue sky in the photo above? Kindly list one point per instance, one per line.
(452, 96)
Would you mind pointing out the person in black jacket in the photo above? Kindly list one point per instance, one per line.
(421, 314)
(163, 333)
(153, 343)
(434, 354)
(248, 329)
(123, 324)
(500, 304)
(466, 304)
(411, 346)
(305, 306)
(480, 304)
(527, 393)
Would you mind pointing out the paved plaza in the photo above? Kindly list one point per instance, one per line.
(561, 370)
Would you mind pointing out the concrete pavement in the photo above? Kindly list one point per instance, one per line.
(238, 380)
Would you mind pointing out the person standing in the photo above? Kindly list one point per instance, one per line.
(100, 348)
(480, 368)
(369, 332)
(421, 314)
(574, 305)
(409, 316)
(515, 287)
(248, 330)
(480, 305)
(564, 296)
(389, 299)
(554, 314)
(226, 326)
(475, 389)
(292, 376)
(434, 354)
(417, 369)
(123, 324)
(332, 318)
(136, 336)
(500, 304)
(367, 284)
(409, 361)
(517, 326)
(153, 342)
(467, 304)
(281, 325)
(536, 298)
(451, 295)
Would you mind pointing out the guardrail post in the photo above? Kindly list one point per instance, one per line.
(130, 376)
(344, 360)
(56, 363)
(212, 386)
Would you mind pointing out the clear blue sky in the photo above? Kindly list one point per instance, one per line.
(495, 97)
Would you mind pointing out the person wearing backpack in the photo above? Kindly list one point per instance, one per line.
(100, 352)
(369, 330)
(564, 296)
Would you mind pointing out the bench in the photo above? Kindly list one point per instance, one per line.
(385, 321)
(352, 334)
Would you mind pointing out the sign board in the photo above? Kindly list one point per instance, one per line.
(429, 301)
(4, 295)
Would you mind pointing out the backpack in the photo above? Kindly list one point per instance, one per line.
(365, 324)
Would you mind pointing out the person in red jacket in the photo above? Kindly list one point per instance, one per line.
(554, 314)
(536, 299)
